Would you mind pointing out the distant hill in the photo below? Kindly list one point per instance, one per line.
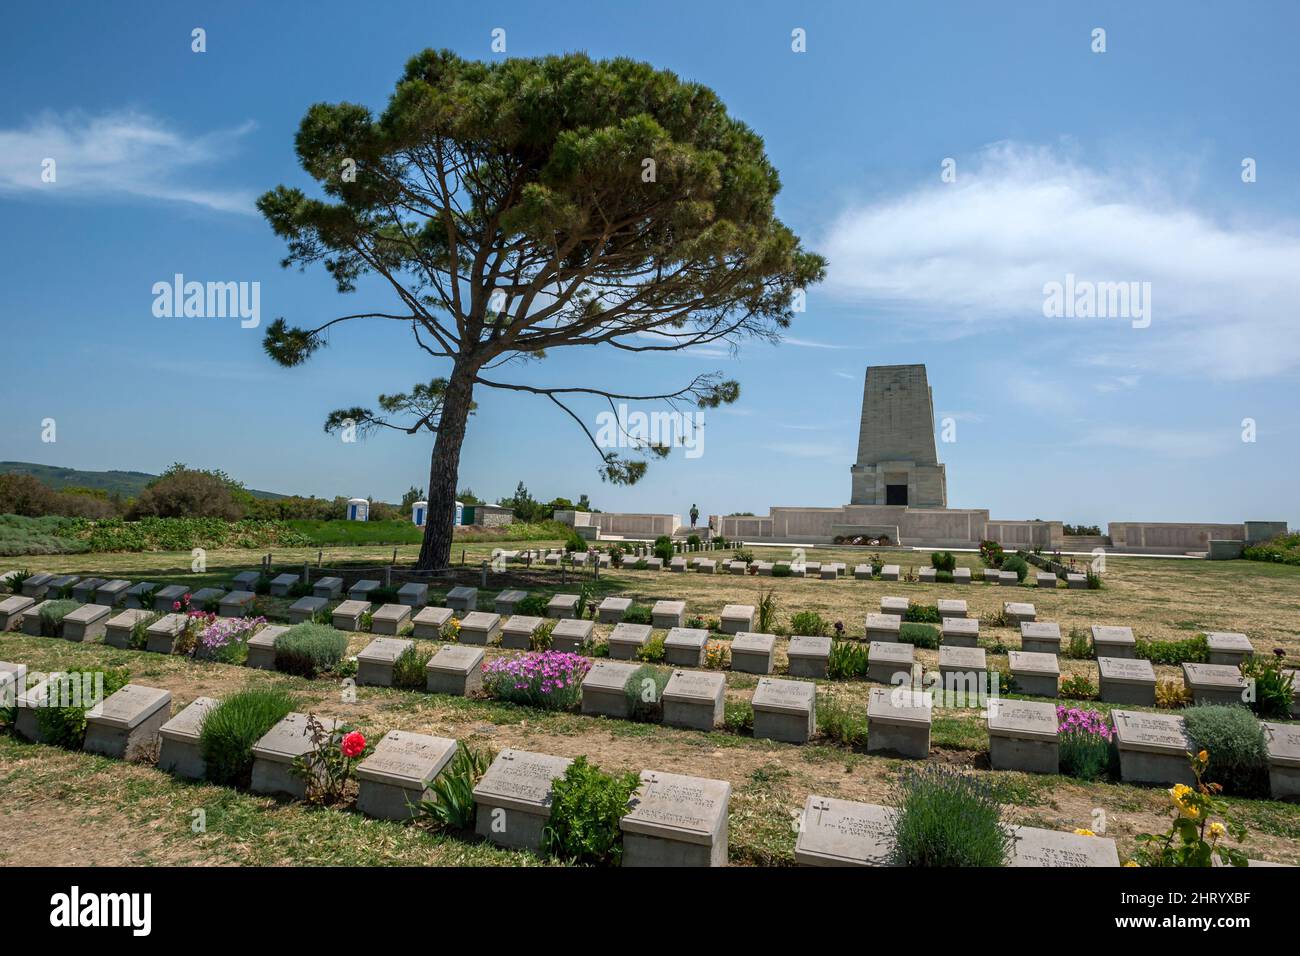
(129, 484)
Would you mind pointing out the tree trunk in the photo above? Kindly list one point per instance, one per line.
(435, 551)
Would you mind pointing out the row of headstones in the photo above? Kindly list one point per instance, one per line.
(672, 819)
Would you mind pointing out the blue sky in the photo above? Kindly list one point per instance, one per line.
(1117, 166)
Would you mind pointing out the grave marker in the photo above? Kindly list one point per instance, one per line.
(898, 721)
(785, 710)
(694, 699)
(514, 798)
(125, 725)
(456, 670)
(1023, 736)
(396, 777)
(752, 653)
(626, 639)
(676, 820)
(179, 751)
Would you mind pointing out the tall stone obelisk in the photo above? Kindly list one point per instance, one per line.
(897, 460)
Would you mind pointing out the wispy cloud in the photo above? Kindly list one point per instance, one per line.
(1167, 442)
(116, 155)
(1223, 294)
(810, 344)
(811, 450)
(1117, 383)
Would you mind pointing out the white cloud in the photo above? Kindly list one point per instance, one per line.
(1117, 383)
(1168, 442)
(810, 344)
(1223, 295)
(119, 154)
(809, 450)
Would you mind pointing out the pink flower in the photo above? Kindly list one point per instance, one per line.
(353, 745)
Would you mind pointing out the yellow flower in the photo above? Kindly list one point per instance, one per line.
(1082, 832)
(1181, 794)
(1203, 756)
(1132, 863)
(1217, 830)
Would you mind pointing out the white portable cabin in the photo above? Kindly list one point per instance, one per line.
(418, 512)
(358, 509)
(460, 513)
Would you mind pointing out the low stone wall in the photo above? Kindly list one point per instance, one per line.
(1162, 537)
(617, 523)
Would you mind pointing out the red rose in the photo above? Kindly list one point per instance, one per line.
(354, 745)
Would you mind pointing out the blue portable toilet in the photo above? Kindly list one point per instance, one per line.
(358, 509)
(418, 511)
(460, 513)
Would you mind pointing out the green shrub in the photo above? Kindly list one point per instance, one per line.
(586, 807)
(919, 635)
(65, 726)
(574, 543)
(838, 720)
(52, 615)
(943, 577)
(663, 548)
(847, 661)
(1014, 562)
(765, 618)
(1078, 687)
(991, 553)
(452, 802)
(922, 613)
(782, 571)
(408, 669)
(1284, 549)
(1274, 688)
(232, 727)
(943, 817)
(308, 649)
(943, 561)
(1236, 744)
(15, 581)
(1190, 650)
(645, 692)
(652, 651)
(639, 614)
(532, 606)
(694, 542)
(808, 624)
(1078, 646)
(738, 716)
(381, 596)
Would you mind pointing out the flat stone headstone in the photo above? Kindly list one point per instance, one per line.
(764, 568)
(261, 647)
(737, 618)
(361, 590)
(1108, 641)
(11, 611)
(1229, 648)
(890, 572)
(347, 616)
(562, 606)
(1043, 637)
(61, 582)
(694, 699)
(1045, 579)
(894, 605)
(1008, 578)
(329, 588)
(654, 564)
(961, 660)
(307, 609)
(1023, 736)
(413, 594)
(626, 639)
(738, 567)
(167, 598)
(125, 724)
(666, 614)
(455, 669)
(961, 576)
(30, 621)
(112, 592)
(85, 589)
(685, 646)
(517, 632)
(887, 659)
(29, 702)
(281, 583)
(951, 607)
(677, 564)
(86, 623)
(160, 636)
(1019, 611)
(396, 777)
(612, 609)
(928, 576)
(245, 581)
(1214, 683)
(430, 621)
(1283, 742)
(862, 572)
(1126, 680)
(480, 627)
(390, 619)
(276, 751)
(676, 820)
(514, 798)
(179, 751)
(898, 721)
(201, 598)
(376, 660)
(236, 603)
(1076, 582)
(1152, 748)
(1035, 673)
(572, 635)
(960, 631)
(785, 710)
(1037, 847)
(135, 594)
(837, 832)
(809, 655)
(752, 653)
(883, 627)
(706, 566)
(506, 602)
(13, 678)
(118, 628)
(36, 585)
(604, 689)
(462, 599)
